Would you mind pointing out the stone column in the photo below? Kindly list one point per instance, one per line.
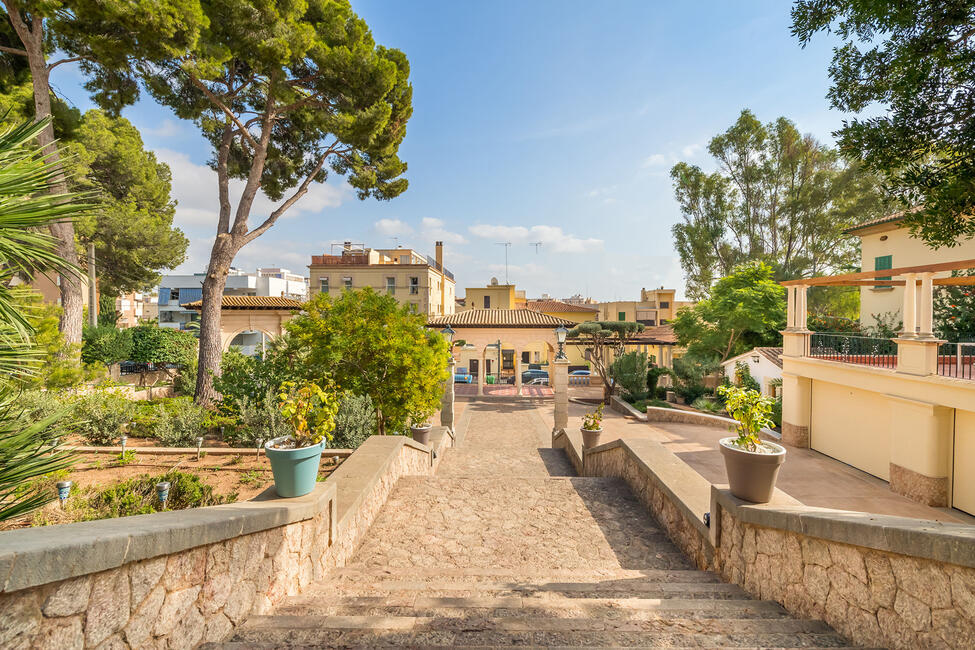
(801, 311)
(560, 383)
(481, 371)
(447, 402)
(909, 312)
(915, 355)
(927, 306)
(790, 307)
(517, 365)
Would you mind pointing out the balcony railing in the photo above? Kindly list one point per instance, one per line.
(957, 360)
(848, 348)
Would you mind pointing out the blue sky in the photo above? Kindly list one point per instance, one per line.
(535, 121)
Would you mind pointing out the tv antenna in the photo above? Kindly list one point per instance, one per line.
(395, 241)
(507, 245)
(537, 245)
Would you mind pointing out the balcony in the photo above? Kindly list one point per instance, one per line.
(847, 348)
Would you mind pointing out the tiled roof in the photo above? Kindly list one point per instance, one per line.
(498, 318)
(659, 334)
(890, 218)
(251, 302)
(772, 354)
(557, 306)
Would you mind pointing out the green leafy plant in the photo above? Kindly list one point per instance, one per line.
(179, 422)
(593, 420)
(630, 372)
(309, 410)
(106, 345)
(137, 496)
(102, 416)
(125, 458)
(706, 404)
(354, 422)
(751, 410)
(743, 377)
(257, 419)
(600, 341)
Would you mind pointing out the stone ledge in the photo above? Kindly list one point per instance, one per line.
(939, 541)
(661, 414)
(624, 407)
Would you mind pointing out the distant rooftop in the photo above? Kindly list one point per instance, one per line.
(498, 318)
(558, 306)
(251, 302)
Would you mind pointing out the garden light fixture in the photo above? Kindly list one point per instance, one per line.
(124, 439)
(560, 333)
(199, 447)
(64, 489)
(260, 443)
(162, 492)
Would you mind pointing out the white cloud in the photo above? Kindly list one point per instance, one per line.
(392, 227)
(166, 129)
(433, 229)
(655, 160)
(551, 237)
(691, 150)
(195, 190)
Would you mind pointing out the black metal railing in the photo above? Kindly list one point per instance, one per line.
(849, 348)
(957, 360)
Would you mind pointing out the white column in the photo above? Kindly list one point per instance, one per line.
(517, 365)
(801, 309)
(909, 312)
(927, 305)
(790, 307)
(481, 370)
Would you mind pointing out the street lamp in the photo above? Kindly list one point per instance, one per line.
(560, 333)
(448, 333)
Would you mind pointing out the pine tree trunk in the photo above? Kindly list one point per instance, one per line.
(211, 349)
(72, 300)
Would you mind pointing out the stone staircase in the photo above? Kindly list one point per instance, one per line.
(505, 547)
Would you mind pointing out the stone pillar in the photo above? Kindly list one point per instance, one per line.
(790, 307)
(927, 306)
(517, 365)
(796, 399)
(920, 450)
(447, 402)
(560, 383)
(481, 371)
(801, 311)
(909, 311)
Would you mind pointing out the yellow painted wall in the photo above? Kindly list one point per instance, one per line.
(639, 310)
(963, 472)
(502, 297)
(851, 425)
(426, 300)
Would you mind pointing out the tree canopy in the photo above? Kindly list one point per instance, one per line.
(371, 345)
(745, 309)
(914, 59)
(778, 196)
(601, 342)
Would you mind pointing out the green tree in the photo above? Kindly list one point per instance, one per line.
(104, 36)
(913, 58)
(954, 311)
(778, 196)
(371, 345)
(106, 344)
(601, 342)
(162, 345)
(745, 309)
(629, 370)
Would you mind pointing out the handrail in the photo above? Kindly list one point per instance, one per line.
(853, 348)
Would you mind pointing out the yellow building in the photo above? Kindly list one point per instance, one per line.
(655, 307)
(413, 279)
(566, 312)
(886, 244)
(494, 296)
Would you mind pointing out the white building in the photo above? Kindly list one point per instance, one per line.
(764, 365)
(175, 291)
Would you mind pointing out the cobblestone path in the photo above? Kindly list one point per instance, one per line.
(505, 546)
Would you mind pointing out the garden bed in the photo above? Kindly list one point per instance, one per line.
(104, 485)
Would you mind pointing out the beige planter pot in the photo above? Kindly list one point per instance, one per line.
(591, 438)
(421, 434)
(751, 475)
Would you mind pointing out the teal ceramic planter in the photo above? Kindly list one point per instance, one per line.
(295, 470)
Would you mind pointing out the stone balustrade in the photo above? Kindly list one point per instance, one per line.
(880, 580)
(177, 579)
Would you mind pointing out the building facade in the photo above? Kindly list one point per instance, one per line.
(177, 291)
(494, 296)
(136, 307)
(655, 307)
(413, 279)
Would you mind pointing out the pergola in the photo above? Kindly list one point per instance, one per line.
(918, 281)
(515, 329)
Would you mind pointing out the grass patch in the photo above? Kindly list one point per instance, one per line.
(642, 404)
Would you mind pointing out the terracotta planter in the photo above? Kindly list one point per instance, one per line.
(751, 475)
(422, 433)
(591, 438)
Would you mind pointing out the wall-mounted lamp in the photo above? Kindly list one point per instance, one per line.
(448, 333)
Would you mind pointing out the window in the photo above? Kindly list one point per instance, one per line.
(651, 322)
(414, 307)
(414, 285)
(323, 285)
(664, 304)
(621, 315)
(174, 295)
(487, 302)
(390, 286)
(347, 281)
(526, 357)
(883, 263)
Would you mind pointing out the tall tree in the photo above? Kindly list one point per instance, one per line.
(283, 90)
(914, 58)
(778, 196)
(102, 35)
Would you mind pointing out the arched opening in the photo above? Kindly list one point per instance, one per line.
(250, 342)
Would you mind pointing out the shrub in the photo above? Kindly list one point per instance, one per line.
(252, 378)
(705, 404)
(751, 410)
(654, 373)
(257, 419)
(743, 377)
(356, 421)
(630, 372)
(642, 405)
(137, 496)
(106, 344)
(690, 392)
(178, 422)
(102, 416)
(777, 412)
(184, 383)
(154, 344)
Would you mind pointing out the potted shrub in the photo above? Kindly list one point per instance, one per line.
(310, 412)
(420, 427)
(592, 427)
(752, 464)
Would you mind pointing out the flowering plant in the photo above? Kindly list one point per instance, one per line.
(310, 410)
(751, 410)
(593, 421)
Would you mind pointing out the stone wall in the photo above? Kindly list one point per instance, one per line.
(625, 408)
(177, 579)
(882, 581)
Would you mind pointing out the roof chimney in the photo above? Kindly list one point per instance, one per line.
(439, 254)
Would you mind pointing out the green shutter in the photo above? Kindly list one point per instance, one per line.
(621, 315)
(883, 263)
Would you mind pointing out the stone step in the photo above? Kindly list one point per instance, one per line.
(401, 590)
(359, 631)
(521, 575)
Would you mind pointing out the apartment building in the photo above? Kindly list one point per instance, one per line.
(177, 291)
(416, 280)
(494, 296)
(136, 307)
(655, 307)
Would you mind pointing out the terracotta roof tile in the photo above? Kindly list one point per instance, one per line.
(558, 306)
(251, 302)
(498, 318)
(889, 218)
(659, 334)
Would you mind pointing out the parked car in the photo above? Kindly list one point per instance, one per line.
(579, 373)
(461, 376)
(529, 375)
(541, 381)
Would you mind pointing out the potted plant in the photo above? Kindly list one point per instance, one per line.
(752, 464)
(420, 427)
(310, 410)
(592, 427)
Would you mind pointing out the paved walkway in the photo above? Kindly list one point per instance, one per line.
(505, 546)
